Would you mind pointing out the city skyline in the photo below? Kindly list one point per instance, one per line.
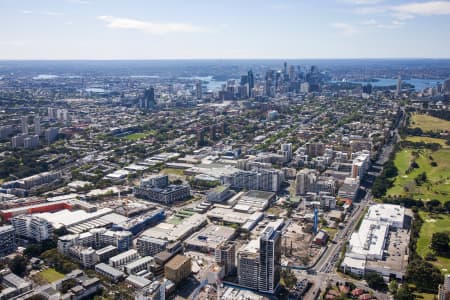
(341, 29)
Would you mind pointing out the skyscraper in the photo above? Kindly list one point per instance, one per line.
(399, 86)
(24, 121)
(269, 260)
(37, 125)
(198, 89)
(148, 101)
(251, 83)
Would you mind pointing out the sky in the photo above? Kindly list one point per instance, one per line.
(216, 29)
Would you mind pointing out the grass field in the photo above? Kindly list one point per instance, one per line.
(139, 135)
(51, 275)
(170, 171)
(438, 185)
(428, 140)
(428, 123)
(431, 224)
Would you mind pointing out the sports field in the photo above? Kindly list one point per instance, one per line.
(51, 275)
(429, 123)
(433, 223)
(438, 177)
(139, 135)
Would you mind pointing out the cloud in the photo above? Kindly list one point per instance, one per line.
(78, 1)
(372, 23)
(408, 11)
(430, 8)
(149, 27)
(42, 13)
(345, 28)
(13, 43)
(363, 2)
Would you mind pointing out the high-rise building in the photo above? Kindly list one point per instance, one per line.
(148, 100)
(269, 260)
(24, 122)
(31, 141)
(286, 151)
(37, 125)
(292, 76)
(198, 89)
(305, 180)
(399, 86)
(446, 87)
(32, 227)
(51, 134)
(7, 240)
(251, 83)
(259, 262)
(225, 255)
(248, 265)
(17, 141)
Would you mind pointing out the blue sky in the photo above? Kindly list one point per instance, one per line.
(153, 29)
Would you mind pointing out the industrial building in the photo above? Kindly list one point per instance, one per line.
(207, 239)
(380, 231)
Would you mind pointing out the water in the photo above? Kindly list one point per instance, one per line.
(45, 77)
(96, 90)
(419, 84)
(211, 84)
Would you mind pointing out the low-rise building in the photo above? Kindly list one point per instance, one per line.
(178, 268)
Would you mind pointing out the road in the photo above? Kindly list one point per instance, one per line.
(325, 267)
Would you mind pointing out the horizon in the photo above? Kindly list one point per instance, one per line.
(174, 30)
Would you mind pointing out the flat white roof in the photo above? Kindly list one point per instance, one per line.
(369, 239)
(390, 213)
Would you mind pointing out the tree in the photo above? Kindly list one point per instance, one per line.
(447, 206)
(18, 265)
(404, 293)
(375, 281)
(393, 287)
(433, 205)
(424, 275)
(439, 242)
(289, 278)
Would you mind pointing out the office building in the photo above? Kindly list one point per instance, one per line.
(198, 89)
(178, 268)
(7, 240)
(251, 83)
